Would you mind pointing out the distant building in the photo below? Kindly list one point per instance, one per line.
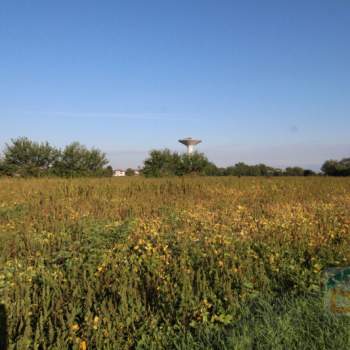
(118, 172)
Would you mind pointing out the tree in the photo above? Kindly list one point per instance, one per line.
(108, 171)
(2, 168)
(162, 163)
(129, 172)
(242, 169)
(167, 163)
(345, 167)
(330, 167)
(308, 172)
(77, 160)
(336, 168)
(239, 169)
(29, 158)
(294, 171)
(196, 163)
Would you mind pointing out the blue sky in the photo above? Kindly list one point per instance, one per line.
(257, 81)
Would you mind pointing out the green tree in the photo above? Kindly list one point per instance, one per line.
(264, 170)
(29, 158)
(239, 169)
(294, 171)
(196, 164)
(162, 163)
(345, 167)
(336, 168)
(308, 172)
(129, 172)
(330, 167)
(242, 169)
(167, 163)
(2, 168)
(77, 160)
(108, 171)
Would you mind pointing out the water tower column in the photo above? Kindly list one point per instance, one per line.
(190, 143)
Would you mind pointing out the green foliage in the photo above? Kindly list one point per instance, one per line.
(108, 171)
(162, 163)
(129, 172)
(337, 168)
(294, 171)
(23, 157)
(77, 160)
(242, 169)
(6, 169)
(197, 164)
(166, 163)
(190, 263)
(308, 172)
(28, 158)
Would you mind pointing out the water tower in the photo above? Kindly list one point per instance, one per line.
(189, 142)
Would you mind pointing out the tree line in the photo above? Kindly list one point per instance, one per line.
(166, 163)
(24, 157)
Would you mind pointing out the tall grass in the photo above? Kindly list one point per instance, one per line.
(192, 263)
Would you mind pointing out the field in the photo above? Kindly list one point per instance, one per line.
(189, 263)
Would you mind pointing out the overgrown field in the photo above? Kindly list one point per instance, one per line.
(192, 263)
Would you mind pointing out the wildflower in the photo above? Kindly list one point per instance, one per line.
(74, 327)
(83, 345)
(95, 323)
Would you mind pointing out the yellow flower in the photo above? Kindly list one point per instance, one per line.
(83, 345)
(96, 319)
(74, 327)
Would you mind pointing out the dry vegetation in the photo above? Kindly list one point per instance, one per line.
(192, 263)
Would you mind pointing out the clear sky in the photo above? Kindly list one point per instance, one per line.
(258, 81)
